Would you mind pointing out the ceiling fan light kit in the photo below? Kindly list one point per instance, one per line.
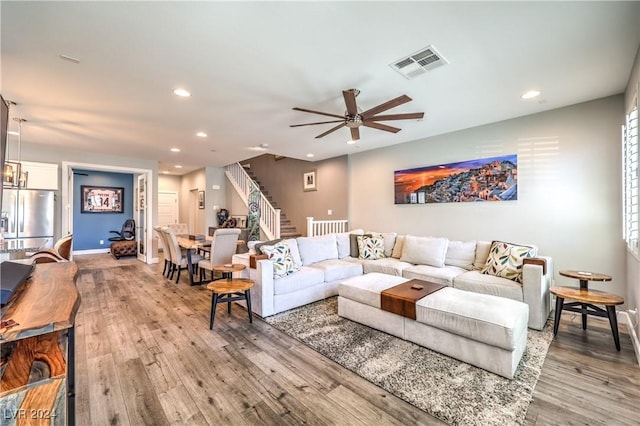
(354, 118)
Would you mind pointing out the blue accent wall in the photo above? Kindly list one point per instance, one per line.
(90, 228)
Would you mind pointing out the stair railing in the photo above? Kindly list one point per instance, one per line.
(269, 216)
(323, 227)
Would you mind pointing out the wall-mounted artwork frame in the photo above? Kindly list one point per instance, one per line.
(310, 180)
(101, 199)
(201, 200)
(485, 179)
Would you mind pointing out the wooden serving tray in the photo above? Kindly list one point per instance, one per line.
(401, 299)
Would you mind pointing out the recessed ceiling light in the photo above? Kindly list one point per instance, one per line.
(351, 142)
(309, 155)
(13, 133)
(201, 134)
(175, 149)
(181, 92)
(178, 166)
(166, 172)
(531, 94)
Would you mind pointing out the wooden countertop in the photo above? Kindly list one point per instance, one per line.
(48, 302)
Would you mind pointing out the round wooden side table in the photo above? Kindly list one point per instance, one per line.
(229, 290)
(585, 301)
(227, 270)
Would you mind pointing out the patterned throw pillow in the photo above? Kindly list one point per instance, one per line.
(505, 260)
(283, 262)
(370, 247)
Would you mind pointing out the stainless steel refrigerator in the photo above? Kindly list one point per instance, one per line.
(29, 213)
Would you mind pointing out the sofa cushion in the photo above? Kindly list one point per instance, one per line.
(492, 320)
(461, 254)
(389, 241)
(444, 275)
(293, 247)
(424, 250)
(306, 277)
(316, 249)
(343, 240)
(398, 246)
(370, 247)
(478, 282)
(505, 260)
(482, 252)
(367, 288)
(336, 269)
(387, 265)
(283, 262)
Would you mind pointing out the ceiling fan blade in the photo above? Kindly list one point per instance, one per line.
(331, 130)
(355, 134)
(388, 117)
(380, 126)
(318, 112)
(385, 106)
(350, 101)
(319, 122)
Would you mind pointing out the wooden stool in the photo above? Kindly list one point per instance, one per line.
(233, 289)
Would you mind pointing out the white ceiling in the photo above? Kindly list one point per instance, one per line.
(247, 64)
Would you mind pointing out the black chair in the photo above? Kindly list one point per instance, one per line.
(127, 233)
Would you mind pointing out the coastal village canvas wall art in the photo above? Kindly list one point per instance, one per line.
(486, 179)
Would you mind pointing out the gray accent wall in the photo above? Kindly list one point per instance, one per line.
(569, 188)
(283, 180)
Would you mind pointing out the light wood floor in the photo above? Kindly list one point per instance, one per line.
(145, 356)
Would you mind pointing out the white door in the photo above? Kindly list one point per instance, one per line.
(141, 225)
(167, 208)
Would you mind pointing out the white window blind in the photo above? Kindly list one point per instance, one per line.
(630, 179)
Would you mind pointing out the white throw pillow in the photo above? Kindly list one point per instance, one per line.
(317, 249)
(389, 241)
(424, 250)
(461, 254)
(506, 259)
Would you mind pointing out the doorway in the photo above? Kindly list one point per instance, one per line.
(68, 200)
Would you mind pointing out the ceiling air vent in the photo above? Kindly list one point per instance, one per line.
(419, 62)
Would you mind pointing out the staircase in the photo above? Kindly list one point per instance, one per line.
(273, 223)
(287, 230)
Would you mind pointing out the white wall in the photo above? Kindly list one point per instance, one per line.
(215, 198)
(569, 188)
(169, 183)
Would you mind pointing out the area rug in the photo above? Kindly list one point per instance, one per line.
(454, 392)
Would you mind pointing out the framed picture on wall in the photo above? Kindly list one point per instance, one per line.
(309, 181)
(101, 199)
(201, 200)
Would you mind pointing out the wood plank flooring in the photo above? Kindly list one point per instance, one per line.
(145, 356)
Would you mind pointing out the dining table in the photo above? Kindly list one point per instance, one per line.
(190, 245)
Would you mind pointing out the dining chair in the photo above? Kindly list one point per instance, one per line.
(166, 253)
(178, 258)
(223, 247)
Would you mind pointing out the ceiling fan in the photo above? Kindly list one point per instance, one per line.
(353, 117)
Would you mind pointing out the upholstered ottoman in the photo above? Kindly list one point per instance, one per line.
(123, 248)
(487, 331)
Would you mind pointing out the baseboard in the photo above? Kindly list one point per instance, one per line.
(632, 333)
(94, 251)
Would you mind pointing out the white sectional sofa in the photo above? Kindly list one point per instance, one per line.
(323, 262)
